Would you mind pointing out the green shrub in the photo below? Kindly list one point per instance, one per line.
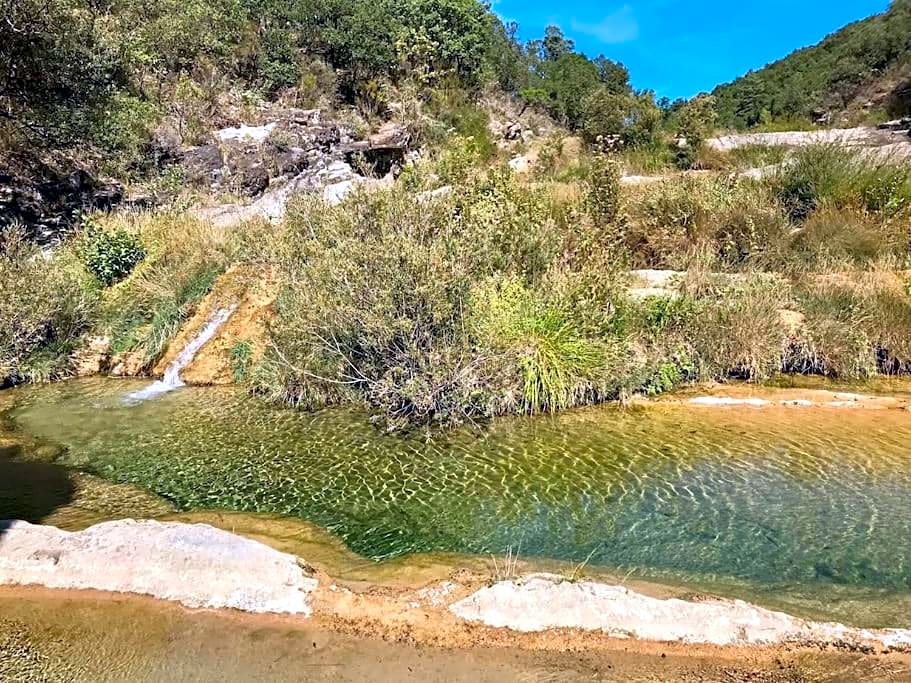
(670, 374)
(603, 190)
(381, 305)
(559, 366)
(45, 306)
(838, 176)
(110, 255)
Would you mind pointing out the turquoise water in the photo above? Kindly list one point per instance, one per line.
(811, 505)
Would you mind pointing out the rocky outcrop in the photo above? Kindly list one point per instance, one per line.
(860, 137)
(544, 602)
(194, 564)
(295, 152)
(94, 358)
(48, 199)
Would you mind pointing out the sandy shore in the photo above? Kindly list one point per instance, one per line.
(90, 636)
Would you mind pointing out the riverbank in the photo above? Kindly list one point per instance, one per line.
(413, 632)
(142, 640)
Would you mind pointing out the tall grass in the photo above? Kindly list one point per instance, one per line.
(738, 221)
(184, 256)
(46, 302)
(841, 177)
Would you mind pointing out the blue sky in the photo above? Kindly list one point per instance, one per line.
(682, 47)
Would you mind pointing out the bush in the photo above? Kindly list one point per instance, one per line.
(371, 311)
(847, 237)
(694, 122)
(858, 325)
(736, 221)
(438, 312)
(109, 255)
(45, 305)
(834, 340)
(739, 332)
(834, 175)
(603, 190)
(560, 367)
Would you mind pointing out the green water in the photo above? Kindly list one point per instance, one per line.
(810, 506)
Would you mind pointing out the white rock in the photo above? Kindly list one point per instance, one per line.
(520, 164)
(728, 401)
(194, 564)
(431, 195)
(336, 193)
(544, 602)
(245, 132)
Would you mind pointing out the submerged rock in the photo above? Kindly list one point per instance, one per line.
(194, 564)
(544, 602)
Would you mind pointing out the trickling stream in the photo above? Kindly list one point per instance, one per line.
(806, 510)
(171, 379)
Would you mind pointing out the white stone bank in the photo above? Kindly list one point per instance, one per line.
(194, 564)
(544, 602)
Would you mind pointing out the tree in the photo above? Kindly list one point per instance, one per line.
(694, 122)
(54, 70)
(613, 75)
(635, 118)
(569, 80)
(555, 45)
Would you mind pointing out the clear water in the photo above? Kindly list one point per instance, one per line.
(810, 506)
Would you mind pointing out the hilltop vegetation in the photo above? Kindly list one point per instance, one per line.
(75, 71)
(827, 76)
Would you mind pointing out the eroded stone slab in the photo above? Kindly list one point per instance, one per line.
(194, 564)
(545, 602)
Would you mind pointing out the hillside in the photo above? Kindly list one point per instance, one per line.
(865, 64)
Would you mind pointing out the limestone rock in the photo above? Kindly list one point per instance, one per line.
(520, 164)
(543, 602)
(193, 564)
(391, 135)
(128, 364)
(93, 358)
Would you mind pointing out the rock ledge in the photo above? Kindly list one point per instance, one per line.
(194, 564)
(544, 602)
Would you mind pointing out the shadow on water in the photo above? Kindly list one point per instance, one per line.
(31, 491)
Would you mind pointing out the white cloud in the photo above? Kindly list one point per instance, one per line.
(619, 27)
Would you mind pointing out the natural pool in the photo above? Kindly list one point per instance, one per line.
(805, 509)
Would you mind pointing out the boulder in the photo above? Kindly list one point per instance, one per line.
(204, 164)
(93, 358)
(194, 564)
(251, 177)
(520, 164)
(391, 135)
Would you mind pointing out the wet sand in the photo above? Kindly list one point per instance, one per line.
(86, 636)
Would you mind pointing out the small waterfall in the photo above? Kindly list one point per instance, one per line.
(171, 379)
